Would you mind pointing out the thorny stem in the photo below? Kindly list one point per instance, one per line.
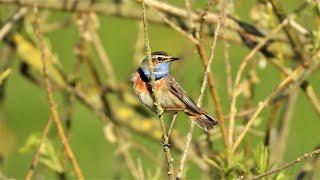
(227, 64)
(157, 104)
(203, 87)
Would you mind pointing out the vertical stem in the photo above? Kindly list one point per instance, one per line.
(159, 109)
(203, 87)
(53, 105)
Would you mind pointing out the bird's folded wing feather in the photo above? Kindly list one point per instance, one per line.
(175, 88)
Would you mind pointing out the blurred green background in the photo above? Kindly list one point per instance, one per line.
(25, 109)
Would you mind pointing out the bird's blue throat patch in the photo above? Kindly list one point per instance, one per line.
(160, 70)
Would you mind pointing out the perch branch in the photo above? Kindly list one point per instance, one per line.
(155, 93)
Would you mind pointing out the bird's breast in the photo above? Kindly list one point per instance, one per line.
(144, 92)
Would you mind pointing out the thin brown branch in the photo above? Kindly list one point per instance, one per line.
(305, 86)
(177, 28)
(189, 15)
(213, 91)
(285, 120)
(227, 64)
(173, 120)
(124, 151)
(293, 37)
(270, 124)
(85, 34)
(203, 87)
(96, 40)
(53, 105)
(140, 170)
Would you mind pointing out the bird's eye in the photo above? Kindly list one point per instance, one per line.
(159, 58)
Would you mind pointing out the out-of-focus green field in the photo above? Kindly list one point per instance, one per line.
(25, 109)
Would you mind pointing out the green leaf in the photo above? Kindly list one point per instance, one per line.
(48, 155)
(261, 157)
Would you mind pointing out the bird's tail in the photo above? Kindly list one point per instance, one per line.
(204, 120)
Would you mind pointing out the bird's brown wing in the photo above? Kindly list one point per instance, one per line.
(200, 117)
(175, 88)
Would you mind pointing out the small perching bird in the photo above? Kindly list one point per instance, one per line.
(171, 96)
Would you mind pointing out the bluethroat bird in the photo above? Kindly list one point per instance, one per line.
(171, 96)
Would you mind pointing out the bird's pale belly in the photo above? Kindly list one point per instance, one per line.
(167, 100)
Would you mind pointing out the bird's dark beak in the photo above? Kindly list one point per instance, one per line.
(174, 59)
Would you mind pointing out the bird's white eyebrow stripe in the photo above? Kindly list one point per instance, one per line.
(163, 56)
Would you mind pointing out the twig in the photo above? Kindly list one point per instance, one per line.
(288, 165)
(297, 77)
(286, 117)
(203, 87)
(47, 28)
(140, 170)
(53, 105)
(213, 91)
(173, 120)
(241, 68)
(36, 155)
(159, 109)
(305, 87)
(83, 54)
(270, 124)
(6, 28)
(189, 15)
(310, 169)
(293, 37)
(139, 46)
(104, 58)
(227, 64)
(124, 151)
(249, 93)
(177, 28)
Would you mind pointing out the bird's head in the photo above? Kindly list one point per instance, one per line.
(161, 62)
